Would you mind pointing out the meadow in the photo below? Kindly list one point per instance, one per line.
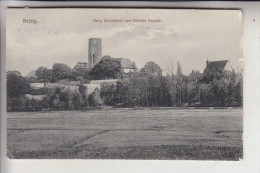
(149, 133)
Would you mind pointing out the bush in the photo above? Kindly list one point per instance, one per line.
(94, 98)
(108, 94)
(67, 100)
(16, 104)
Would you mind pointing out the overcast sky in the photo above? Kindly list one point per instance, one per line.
(186, 36)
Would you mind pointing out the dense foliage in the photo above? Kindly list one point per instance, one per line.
(52, 99)
(45, 75)
(107, 68)
(149, 88)
(16, 85)
(60, 72)
(145, 88)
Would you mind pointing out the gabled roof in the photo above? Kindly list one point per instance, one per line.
(216, 65)
(126, 63)
(31, 74)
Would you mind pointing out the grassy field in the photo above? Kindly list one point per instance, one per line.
(200, 134)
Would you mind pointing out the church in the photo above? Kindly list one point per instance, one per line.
(218, 66)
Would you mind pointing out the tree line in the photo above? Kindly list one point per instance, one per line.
(107, 68)
(147, 87)
(51, 98)
(57, 98)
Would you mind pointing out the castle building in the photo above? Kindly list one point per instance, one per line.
(127, 65)
(94, 51)
(81, 65)
(95, 56)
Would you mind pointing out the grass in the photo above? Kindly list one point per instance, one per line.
(163, 152)
(127, 134)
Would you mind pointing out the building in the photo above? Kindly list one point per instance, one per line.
(105, 83)
(127, 65)
(32, 74)
(35, 97)
(95, 56)
(94, 51)
(81, 65)
(218, 66)
(36, 85)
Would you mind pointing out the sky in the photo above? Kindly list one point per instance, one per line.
(190, 37)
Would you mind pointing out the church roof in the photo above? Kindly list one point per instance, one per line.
(216, 65)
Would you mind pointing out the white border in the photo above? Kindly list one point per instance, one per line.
(251, 45)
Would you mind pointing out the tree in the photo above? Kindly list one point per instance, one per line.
(151, 69)
(145, 88)
(171, 85)
(107, 68)
(179, 86)
(239, 93)
(94, 98)
(79, 101)
(16, 104)
(33, 80)
(108, 94)
(45, 75)
(61, 71)
(81, 74)
(16, 85)
(205, 94)
(67, 98)
(179, 70)
(193, 87)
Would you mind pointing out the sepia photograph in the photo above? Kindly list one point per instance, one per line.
(136, 84)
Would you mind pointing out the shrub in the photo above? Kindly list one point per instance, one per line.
(94, 98)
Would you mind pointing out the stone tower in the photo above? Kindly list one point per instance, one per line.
(94, 51)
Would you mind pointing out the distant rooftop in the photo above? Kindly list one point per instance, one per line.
(216, 65)
(126, 63)
(81, 65)
(31, 74)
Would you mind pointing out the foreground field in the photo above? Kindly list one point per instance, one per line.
(200, 134)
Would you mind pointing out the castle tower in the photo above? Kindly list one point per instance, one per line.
(94, 51)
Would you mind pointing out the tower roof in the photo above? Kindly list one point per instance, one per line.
(95, 39)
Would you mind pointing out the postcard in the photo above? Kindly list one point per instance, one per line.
(139, 84)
